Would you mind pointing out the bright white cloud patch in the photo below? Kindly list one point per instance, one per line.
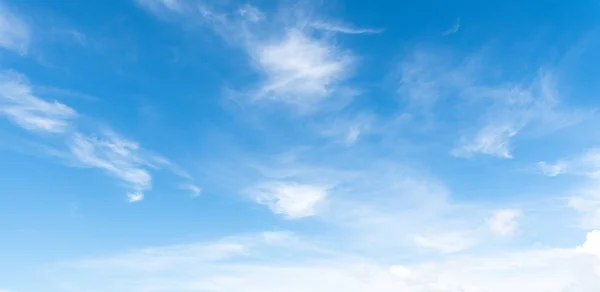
(19, 104)
(14, 33)
(300, 69)
(293, 200)
(504, 222)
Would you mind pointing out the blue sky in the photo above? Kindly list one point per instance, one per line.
(285, 146)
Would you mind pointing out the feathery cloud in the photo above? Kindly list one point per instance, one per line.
(121, 158)
(339, 28)
(454, 29)
(195, 190)
(23, 107)
(14, 32)
(298, 67)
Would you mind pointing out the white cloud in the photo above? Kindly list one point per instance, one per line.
(19, 104)
(135, 197)
(446, 242)
(586, 197)
(586, 164)
(119, 157)
(300, 69)
(14, 33)
(551, 169)
(253, 263)
(504, 222)
(592, 243)
(454, 29)
(340, 28)
(586, 200)
(513, 108)
(498, 111)
(195, 190)
(293, 200)
(352, 135)
(251, 13)
(158, 6)
(345, 129)
(492, 140)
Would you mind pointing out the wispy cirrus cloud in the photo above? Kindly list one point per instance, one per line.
(500, 110)
(584, 197)
(193, 189)
(514, 108)
(121, 158)
(454, 29)
(298, 67)
(340, 28)
(14, 32)
(19, 104)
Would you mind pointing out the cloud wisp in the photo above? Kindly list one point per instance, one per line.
(298, 67)
(117, 156)
(14, 32)
(502, 109)
(585, 196)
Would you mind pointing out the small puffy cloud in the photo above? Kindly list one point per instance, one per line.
(504, 222)
(293, 200)
(14, 33)
(19, 104)
(135, 197)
